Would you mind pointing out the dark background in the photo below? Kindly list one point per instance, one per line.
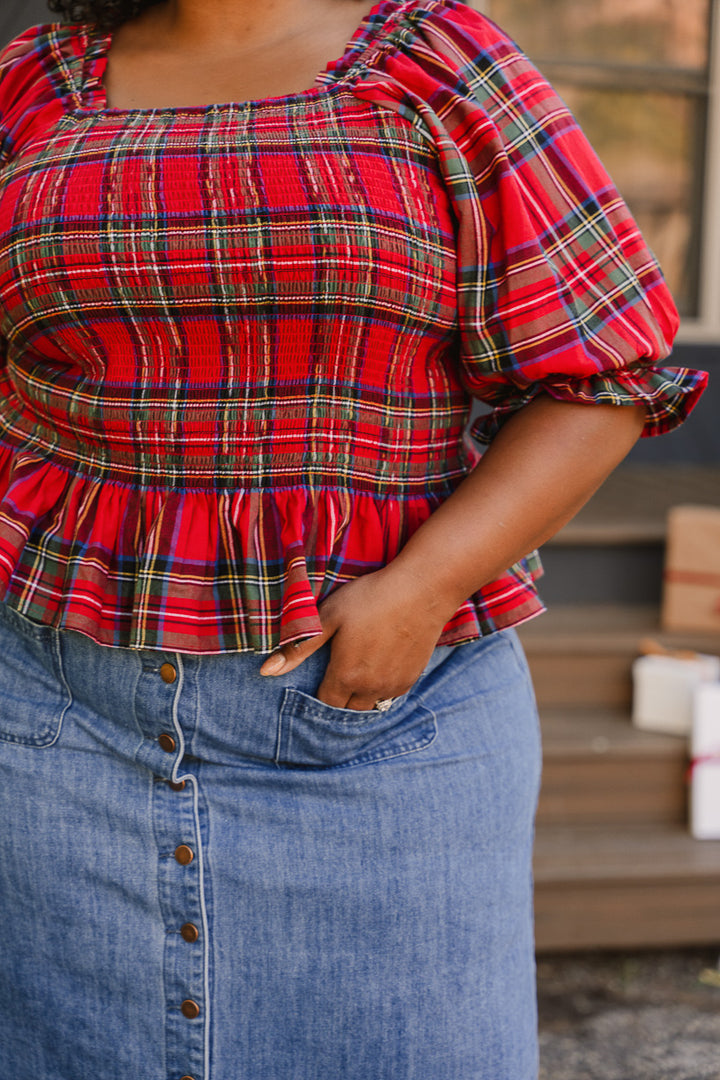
(17, 15)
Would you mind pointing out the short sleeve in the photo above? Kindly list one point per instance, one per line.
(29, 98)
(557, 290)
(31, 69)
(6, 64)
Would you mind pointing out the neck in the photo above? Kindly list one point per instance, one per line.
(204, 51)
(240, 22)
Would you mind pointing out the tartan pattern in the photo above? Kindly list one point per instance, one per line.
(242, 341)
(557, 291)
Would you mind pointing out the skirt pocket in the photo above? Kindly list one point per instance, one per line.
(313, 734)
(30, 659)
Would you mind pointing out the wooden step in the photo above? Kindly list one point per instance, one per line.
(581, 655)
(613, 551)
(625, 886)
(632, 505)
(602, 574)
(599, 769)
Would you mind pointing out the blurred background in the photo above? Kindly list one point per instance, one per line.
(627, 900)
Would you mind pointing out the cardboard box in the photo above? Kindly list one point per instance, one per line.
(691, 592)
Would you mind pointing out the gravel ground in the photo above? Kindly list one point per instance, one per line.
(630, 1016)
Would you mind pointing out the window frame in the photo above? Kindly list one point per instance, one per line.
(705, 327)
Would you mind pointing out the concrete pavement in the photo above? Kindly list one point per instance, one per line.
(630, 1016)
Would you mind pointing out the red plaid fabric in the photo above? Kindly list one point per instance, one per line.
(242, 341)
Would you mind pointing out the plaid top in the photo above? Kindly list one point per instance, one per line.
(241, 341)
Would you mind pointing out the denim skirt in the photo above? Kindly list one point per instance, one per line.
(210, 875)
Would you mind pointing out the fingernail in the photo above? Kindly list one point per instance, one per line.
(273, 665)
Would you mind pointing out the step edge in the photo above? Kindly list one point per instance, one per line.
(687, 859)
(615, 536)
(595, 732)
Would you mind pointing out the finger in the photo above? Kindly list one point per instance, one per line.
(363, 703)
(290, 656)
(338, 700)
(345, 691)
(340, 696)
(342, 699)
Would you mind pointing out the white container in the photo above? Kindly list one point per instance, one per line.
(705, 766)
(663, 689)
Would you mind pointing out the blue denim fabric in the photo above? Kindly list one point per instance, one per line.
(360, 882)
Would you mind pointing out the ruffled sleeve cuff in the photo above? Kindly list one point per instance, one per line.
(668, 395)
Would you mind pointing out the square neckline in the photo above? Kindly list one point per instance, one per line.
(92, 97)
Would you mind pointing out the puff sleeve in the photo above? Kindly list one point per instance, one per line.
(29, 99)
(557, 292)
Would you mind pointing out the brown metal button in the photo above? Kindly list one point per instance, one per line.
(190, 932)
(167, 742)
(187, 1078)
(190, 1009)
(176, 785)
(168, 673)
(184, 854)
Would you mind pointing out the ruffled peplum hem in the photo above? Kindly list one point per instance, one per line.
(203, 571)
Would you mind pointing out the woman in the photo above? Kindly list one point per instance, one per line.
(269, 751)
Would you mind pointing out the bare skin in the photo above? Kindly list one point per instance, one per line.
(201, 52)
(543, 466)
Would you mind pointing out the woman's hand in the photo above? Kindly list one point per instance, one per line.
(382, 630)
(543, 465)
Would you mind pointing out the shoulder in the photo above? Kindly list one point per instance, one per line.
(473, 78)
(38, 44)
(39, 55)
(450, 28)
(463, 53)
(38, 69)
(453, 25)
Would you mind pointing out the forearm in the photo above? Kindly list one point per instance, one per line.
(543, 465)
